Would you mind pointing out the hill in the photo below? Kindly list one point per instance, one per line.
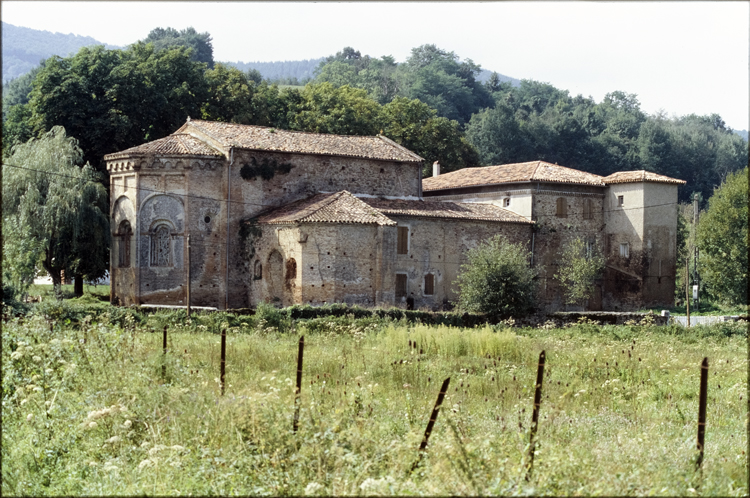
(24, 48)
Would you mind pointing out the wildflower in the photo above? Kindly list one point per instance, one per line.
(16, 355)
(29, 417)
(127, 424)
(113, 440)
(313, 488)
(92, 425)
(24, 401)
(145, 463)
(93, 464)
(36, 358)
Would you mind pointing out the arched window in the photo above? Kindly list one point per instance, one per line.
(258, 272)
(124, 233)
(562, 208)
(161, 246)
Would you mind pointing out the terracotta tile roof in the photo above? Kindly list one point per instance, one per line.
(445, 209)
(640, 176)
(340, 207)
(509, 173)
(176, 144)
(274, 139)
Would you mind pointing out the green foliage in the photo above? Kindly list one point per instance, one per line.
(55, 212)
(497, 280)
(265, 168)
(201, 49)
(87, 410)
(578, 268)
(229, 96)
(722, 238)
(323, 108)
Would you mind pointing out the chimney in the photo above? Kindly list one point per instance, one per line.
(436, 168)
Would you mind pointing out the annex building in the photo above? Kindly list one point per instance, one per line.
(246, 214)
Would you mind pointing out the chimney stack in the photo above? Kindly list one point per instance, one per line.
(436, 168)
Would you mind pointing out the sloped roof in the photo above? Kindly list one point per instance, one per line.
(640, 176)
(340, 207)
(445, 210)
(176, 144)
(510, 173)
(274, 139)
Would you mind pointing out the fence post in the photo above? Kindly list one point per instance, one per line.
(187, 290)
(298, 391)
(164, 359)
(702, 401)
(431, 423)
(535, 415)
(222, 364)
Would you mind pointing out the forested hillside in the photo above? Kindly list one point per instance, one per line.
(24, 48)
(434, 103)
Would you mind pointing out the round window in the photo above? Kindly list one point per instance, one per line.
(207, 219)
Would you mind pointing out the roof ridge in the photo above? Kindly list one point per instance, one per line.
(399, 146)
(299, 132)
(203, 130)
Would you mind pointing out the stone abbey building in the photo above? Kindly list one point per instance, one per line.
(248, 214)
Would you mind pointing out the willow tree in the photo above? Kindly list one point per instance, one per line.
(54, 213)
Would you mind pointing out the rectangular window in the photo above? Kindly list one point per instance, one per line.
(625, 250)
(562, 208)
(620, 200)
(590, 248)
(400, 285)
(402, 246)
(588, 209)
(429, 284)
(506, 202)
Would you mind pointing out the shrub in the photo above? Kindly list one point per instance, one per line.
(497, 280)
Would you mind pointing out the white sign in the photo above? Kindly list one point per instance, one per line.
(695, 292)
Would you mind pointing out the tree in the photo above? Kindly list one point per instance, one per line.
(497, 136)
(723, 240)
(417, 127)
(114, 99)
(581, 263)
(201, 49)
(324, 108)
(229, 96)
(54, 213)
(497, 280)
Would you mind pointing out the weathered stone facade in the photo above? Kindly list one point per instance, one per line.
(631, 217)
(265, 215)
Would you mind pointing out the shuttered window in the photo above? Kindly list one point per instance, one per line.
(400, 285)
(588, 209)
(402, 246)
(562, 208)
(429, 284)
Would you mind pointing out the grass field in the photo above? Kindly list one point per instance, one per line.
(86, 410)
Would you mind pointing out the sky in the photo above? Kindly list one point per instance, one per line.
(679, 58)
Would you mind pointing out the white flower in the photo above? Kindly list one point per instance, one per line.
(113, 440)
(29, 417)
(92, 425)
(177, 447)
(145, 463)
(24, 401)
(36, 358)
(16, 355)
(127, 424)
(93, 464)
(313, 488)
(176, 463)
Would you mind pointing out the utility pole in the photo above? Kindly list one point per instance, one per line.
(188, 276)
(696, 282)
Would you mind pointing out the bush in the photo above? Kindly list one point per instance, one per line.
(497, 280)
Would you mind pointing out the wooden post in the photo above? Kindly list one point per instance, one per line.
(687, 289)
(222, 365)
(164, 359)
(535, 414)
(298, 391)
(702, 401)
(187, 297)
(431, 423)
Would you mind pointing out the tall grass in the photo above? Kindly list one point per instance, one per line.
(86, 410)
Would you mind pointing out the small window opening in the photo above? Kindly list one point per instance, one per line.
(429, 284)
(258, 270)
(620, 200)
(625, 250)
(402, 246)
(291, 269)
(125, 233)
(562, 208)
(588, 209)
(506, 202)
(400, 285)
(207, 219)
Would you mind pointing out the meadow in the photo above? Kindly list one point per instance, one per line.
(92, 406)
